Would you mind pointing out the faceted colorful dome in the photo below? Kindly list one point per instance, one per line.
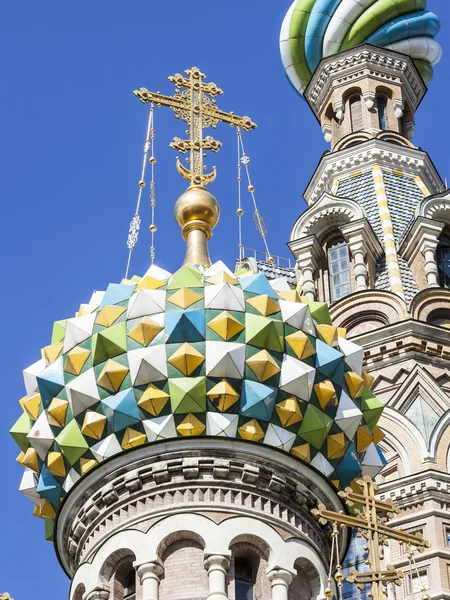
(202, 352)
(315, 29)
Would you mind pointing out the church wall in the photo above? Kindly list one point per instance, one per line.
(184, 576)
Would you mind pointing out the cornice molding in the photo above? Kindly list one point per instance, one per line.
(335, 165)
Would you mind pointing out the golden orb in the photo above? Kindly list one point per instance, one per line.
(199, 206)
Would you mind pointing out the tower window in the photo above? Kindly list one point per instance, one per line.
(339, 270)
(443, 262)
(129, 589)
(244, 579)
(382, 112)
(356, 115)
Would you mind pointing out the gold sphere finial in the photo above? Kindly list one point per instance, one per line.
(197, 213)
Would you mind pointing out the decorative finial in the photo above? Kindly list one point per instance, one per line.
(196, 211)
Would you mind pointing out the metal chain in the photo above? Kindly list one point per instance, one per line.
(133, 232)
(259, 221)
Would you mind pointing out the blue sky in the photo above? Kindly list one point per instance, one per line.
(71, 146)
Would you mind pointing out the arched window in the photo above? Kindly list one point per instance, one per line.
(356, 115)
(443, 262)
(244, 579)
(129, 588)
(339, 269)
(382, 112)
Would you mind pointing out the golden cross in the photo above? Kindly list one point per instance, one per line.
(370, 521)
(194, 102)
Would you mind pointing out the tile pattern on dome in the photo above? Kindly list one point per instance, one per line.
(403, 196)
(199, 352)
(361, 189)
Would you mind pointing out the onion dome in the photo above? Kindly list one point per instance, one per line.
(202, 352)
(315, 29)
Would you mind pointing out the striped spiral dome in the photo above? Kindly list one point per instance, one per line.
(315, 29)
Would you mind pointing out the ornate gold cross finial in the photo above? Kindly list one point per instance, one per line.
(194, 102)
(370, 521)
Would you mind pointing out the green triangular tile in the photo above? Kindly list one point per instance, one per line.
(315, 426)
(187, 395)
(72, 442)
(264, 332)
(59, 331)
(20, 430)
(320, 312)
(109, 343)
(187, 276)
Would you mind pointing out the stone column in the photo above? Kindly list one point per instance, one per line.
(308, 254)
(363, 246)
(217, 566)
(359, 256)
(149, 574)
(431, 270)
(280, 580)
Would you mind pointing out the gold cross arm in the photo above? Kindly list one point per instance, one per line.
(329, 516)
(391, 575)
(194, 102)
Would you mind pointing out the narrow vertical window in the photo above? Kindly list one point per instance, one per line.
(382, 112)
(443, 262)
(339, 270)
(244, 579)
(129, 589)
(356, 113)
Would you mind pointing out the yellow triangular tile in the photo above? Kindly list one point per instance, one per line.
(222, 277)
(326, 394)
(300, 344)
(289, 296)
(109, 315)
(264, 304)
(45, 510)
(329, 334)
(289, 412)
(378, 435)
(153, 400)
(150, 283)
(251, 431)
(355, 384)
(57, 411)
(263, 365)
(31, 405)
(190, 425)
(75, 361)
(364, 437)
(93, 425)
(52, 352)
(133, 438)
(368, 380)
(184, 297)
(342, 332)
(112, 375)
(30, 460)
(225, 325)
(145, 331)
(223, 395)
(55, 464)
(86, 309)
(355, 487)
(86, 464)
(186, 359)
(302, 452)
(336, 445)
(335, 482)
